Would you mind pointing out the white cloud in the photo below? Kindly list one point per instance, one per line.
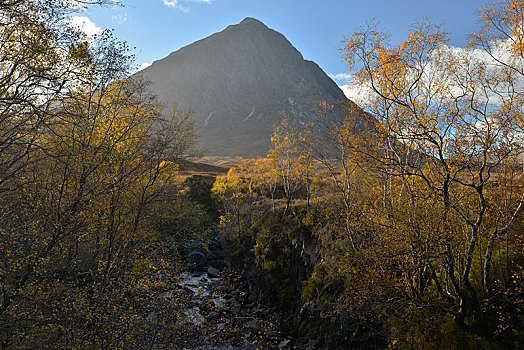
(356, 93)
(342, 77)
(143, 66)
(85, 25)
(435, 73)
(178, 3)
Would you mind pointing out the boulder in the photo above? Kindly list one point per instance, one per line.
(212, 272)
(232, 306)
(196, 258)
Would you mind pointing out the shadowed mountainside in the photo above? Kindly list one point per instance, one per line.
(237, 83)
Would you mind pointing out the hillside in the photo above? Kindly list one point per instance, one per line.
(237, 83)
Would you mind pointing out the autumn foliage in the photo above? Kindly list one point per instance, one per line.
(399, 226)
(84, 156)
(417, 213)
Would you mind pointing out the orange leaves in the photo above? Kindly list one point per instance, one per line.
(391, 70)
(424, 38)
(432, 97)
(358, 43)
(449, 120)
(503, 24)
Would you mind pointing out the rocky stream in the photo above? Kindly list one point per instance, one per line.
(221, 314)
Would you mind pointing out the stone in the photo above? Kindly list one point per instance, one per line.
(196, 258)
(235, 309)
(212, 272)
(237, 83)
(232, 306)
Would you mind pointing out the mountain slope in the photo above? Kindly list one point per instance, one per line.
(237, 83)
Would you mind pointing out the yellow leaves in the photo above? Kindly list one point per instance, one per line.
(424, 38)
(394, 72)
(357, 43)
(324, 108)
(502, 26)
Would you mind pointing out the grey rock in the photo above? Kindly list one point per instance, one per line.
(212, 272)
(232, 306)
(196, 258)
(237, 83)
(235, 309)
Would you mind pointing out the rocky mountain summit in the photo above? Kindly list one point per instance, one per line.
(237, 83)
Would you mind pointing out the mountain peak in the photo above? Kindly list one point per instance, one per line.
(252, 21)
(237, 83)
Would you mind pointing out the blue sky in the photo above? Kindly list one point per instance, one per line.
(315, 28)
